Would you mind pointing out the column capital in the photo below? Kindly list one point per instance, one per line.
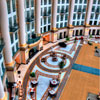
(70, 26)
(54, 29)
(11, 64)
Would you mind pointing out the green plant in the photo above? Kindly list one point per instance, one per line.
(74, 41)
(96, 47)
(61, 64)
(90, 36)
(67, 38)
(32, 74)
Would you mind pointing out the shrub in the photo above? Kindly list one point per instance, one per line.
(67, 38)
(90, 36)
(61, 64)
(32, 74)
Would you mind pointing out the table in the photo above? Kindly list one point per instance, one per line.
(52, 92)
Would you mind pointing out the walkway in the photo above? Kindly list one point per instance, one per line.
(86, 69)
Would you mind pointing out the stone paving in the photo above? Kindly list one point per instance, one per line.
(65, 78)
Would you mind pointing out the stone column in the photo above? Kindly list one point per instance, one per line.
(37, 17)
(1, 89)
(72, 3)
(9, 63)
(70, 26)
(54, 30)
(22, 33)
(54, 15)
(88, 14)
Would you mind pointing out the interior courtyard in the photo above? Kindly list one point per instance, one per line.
(49, 49)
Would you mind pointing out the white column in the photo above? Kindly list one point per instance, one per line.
(54, 15)
(37, 16)
(72, 2)
(89, 6)
(1, 89)
(21, 16)
(5, 32)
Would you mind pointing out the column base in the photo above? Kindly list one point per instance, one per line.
(53, 37)
(5, 97)
(70, 32)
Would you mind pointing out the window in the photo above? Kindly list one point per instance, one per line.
(74, 17)
(80, 1)
(58, 9)
(11, 37)
(13, 51)
(10, 21)
(75, 8)
(48, 27)
(93, 9)
(90, 22)
(63, 1)
(85, 1)
(49, 1)
(17, 46)
(32, 3)
(83, 16)
(92, 15)
(15, 20)
(58, 1)
(76, 1)
(16, 36)
(48, 19)
(13, 5)
(95, 22)
(57, 18)
(8, 6)
(61, 17)
(28, 27)
(45, 29)
(27, 3)
(45, 2)
(94, 1)
(44, 21)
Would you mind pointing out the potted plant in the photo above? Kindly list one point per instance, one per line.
(90, 36)
(32, 75)
(61, 64)
(67, 38)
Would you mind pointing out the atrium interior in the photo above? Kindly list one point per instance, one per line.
(49, 49)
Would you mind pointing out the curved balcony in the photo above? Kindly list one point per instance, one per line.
(33, 40)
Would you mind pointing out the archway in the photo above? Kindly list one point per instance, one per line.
(60, 36)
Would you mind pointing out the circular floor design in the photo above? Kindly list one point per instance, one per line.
(51, 65)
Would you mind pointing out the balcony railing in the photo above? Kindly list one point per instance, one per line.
(46, 14)
(14, 28)
(1, 44)
(29, 20)
(30, 41)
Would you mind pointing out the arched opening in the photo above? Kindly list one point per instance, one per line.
(60, 36)
(64, 34)
(89, 32)
(76, 33)
(93, 32)
(98, 32)
(32, 52)
(81, 32)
